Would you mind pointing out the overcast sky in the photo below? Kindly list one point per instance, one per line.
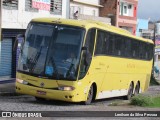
(149, 9)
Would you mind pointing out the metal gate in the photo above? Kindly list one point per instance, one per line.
(6, 58)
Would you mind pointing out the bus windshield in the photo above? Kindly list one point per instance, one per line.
(51, 51)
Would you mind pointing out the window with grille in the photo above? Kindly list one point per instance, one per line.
(10, 4)
(56, 7)
(28, 6)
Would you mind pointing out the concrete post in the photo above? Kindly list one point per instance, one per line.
(67, 9)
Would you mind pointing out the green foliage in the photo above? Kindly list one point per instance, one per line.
(146, 101)
(141, 100)
(156, 102)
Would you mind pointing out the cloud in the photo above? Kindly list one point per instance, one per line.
(149, 9)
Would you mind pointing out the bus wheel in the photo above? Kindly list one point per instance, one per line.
(130, 92)
(136, 92)
(90, 96)
(39, 99)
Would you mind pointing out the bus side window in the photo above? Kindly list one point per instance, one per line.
(89, 43)
(145, 52)
(111, 44)
(135, 48)
(150, 50)
(119, 46)
(101, 43)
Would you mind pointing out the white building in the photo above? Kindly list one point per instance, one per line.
(87, 9)
(15, 15)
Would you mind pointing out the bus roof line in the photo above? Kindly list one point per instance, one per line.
(85, 23)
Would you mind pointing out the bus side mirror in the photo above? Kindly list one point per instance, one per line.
(16, 41)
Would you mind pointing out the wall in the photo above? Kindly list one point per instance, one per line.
(90, 1)
(19, 19)
(141, 24)
(158, 28)
(125, 10)
(85, 9)
(128, 21)
(109, 10)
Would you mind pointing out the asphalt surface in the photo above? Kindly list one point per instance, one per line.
(13, 102)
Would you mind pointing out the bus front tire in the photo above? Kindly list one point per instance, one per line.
(136, 92)
(90, 96)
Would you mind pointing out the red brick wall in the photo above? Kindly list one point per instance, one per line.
(110, 7)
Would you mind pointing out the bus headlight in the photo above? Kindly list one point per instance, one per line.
(21, 81)
(66, 88)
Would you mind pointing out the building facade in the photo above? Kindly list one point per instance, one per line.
(122, 12)
(142, 24)
(15, 15)
(157, 28)
(86, 7)
(87, 10)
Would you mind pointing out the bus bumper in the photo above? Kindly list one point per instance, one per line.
(70, 96)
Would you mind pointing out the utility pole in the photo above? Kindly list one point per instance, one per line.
(0, 28)
(0, 20)
(154, 41)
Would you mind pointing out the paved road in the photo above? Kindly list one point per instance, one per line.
(28, 103)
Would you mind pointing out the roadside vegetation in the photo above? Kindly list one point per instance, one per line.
(146, 101)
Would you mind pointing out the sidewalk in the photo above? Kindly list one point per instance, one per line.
(7, 86)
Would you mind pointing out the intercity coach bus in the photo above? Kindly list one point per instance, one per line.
(81, 61)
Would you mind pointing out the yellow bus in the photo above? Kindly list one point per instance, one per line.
(81, 61)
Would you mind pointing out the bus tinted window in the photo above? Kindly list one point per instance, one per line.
(127, 48)
(116, 45)
(101, 43)
(111, 44)
(150, 51)
(90, 40)
(119, 46)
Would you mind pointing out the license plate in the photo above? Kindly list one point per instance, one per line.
(41, 92)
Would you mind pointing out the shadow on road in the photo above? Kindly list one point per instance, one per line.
(64, 103)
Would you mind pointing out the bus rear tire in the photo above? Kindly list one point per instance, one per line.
(90, 96)
(136, 92)
(130, 92)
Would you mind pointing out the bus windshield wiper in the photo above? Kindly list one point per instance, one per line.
(54, 66)
(35, 60)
